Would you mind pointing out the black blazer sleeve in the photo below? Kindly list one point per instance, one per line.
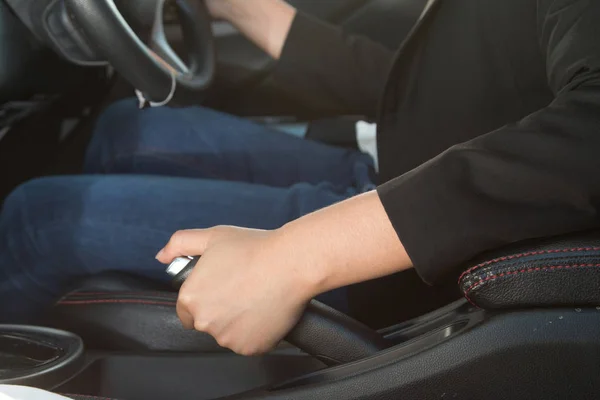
(332, 72)
(537, 177)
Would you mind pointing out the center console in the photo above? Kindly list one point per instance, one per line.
(38, 357)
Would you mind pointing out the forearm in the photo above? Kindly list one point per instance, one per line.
(319, 64)
(350, 242)
(265, 22)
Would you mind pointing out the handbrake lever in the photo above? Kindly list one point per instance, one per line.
(323, 332)
(180, 269)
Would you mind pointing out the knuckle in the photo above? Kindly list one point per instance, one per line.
(186, 299)
(224, 341)
(249, 351)
(202, 325)
(177, 238)
(244, 352)
(221, 230)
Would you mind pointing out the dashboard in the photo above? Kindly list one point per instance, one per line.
(29, 66)
(19, 54)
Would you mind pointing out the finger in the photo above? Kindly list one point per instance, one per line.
(185, 243)
(187, 320)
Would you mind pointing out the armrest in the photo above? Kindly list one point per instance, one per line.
(561, 271)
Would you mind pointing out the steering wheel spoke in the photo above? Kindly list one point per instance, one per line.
(160, 45)
(154, 69)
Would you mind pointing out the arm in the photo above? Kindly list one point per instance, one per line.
(250, 287)
(318, 63)
(537, 177)
(265, 22)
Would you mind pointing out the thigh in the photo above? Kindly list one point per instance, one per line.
(202, 143)
(57, 230)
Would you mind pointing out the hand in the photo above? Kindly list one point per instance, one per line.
(247, 290)
(264, 22)
(250, 287)
(220, 9)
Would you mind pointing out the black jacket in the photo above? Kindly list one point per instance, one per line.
(488, 118)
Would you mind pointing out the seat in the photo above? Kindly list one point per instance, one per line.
(120, 312)
(554, 272)
(530, 329)
(335, 131)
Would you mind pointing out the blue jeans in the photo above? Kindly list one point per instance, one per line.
(148, 174)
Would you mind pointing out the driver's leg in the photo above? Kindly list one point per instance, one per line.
(54, 231)
(202, 143)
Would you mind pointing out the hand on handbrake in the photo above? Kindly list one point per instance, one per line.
(247, 291)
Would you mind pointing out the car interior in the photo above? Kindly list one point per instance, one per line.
(527, 321)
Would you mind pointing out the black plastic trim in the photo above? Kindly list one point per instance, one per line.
(56, 372)
(519, 355)
(107, 30)
(419, 335)
(323, 332)
(68, 40)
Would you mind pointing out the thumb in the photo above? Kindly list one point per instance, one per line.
(185, 243)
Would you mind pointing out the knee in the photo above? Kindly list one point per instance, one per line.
(124, 131)
(14, 209)
(43, 218)
(115, 132)
(121, 132)
(38, 238)
(116, 118)
(32, 204)
(20, 211)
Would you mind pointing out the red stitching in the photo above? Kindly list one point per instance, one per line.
(531, 253)
(522, 271)
(109, 301)
(75, 294)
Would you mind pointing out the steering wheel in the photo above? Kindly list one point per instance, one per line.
(155, 70)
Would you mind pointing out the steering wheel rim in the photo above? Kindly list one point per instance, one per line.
(156, 71)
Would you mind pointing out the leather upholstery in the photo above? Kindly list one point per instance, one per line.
(323, 332)
(120, 312)
(333, 337)
(552, 272)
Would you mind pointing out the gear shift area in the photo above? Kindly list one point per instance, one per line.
(38, 357)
